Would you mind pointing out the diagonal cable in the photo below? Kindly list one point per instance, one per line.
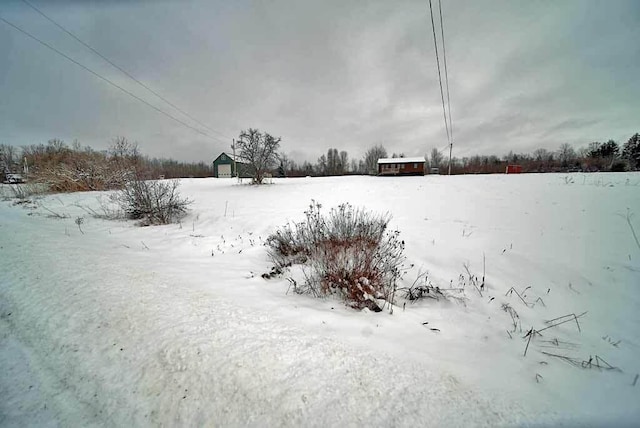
(121, 69)
(435, 43)
(446, 74)
(115, 85)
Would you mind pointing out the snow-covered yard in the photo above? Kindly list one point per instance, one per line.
(174, 325)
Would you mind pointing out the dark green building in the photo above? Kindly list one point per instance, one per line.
(224, 166)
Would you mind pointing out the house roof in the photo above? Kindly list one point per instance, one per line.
(236, 159)
(400, 160)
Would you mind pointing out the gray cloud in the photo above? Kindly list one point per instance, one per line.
(344, 74)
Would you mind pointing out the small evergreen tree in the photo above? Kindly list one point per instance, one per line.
(631, 150)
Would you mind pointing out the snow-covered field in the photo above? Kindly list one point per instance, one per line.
(173, 325)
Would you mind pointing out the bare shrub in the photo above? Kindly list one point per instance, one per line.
(109, 208)
(65, 169)
(421, 288)
(24, 191)
(77, 175)
(349, 253)
(152, 202)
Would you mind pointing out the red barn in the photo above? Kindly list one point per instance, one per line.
(401, 166)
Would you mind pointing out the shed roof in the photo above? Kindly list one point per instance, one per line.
(230, 156)
(401, 160)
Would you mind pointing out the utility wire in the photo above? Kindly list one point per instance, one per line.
(446, 74)
(435, 43)
(446, 79)
(115, 85)
(122, 70)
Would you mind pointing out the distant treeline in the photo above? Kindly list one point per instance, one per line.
(76, 167)
(597, 156)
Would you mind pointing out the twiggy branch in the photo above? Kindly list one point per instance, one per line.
(472, 279)
(513, 290)
(532, 332)
(573, 361)
(53, 213)
(569, 317)
(633, 232)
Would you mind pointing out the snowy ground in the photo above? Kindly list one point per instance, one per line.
(173, 325)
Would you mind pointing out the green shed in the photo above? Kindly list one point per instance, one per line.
(224, 166)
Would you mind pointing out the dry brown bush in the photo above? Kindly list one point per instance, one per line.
(349, 253)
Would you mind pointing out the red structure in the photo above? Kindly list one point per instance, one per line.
(401, 166)
(514, 169)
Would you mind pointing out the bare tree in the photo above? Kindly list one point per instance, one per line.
(56, 146)
(371, 158)
(258, 150)
(540, 154)
(322, 165)
(121, 148)
(543, 157)
(307, 168)
(344, 162)
(566, 154)
(124, 157)
(333, 162)
(436, 158)
(8, 157)
(354, 166)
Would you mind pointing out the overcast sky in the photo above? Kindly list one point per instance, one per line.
(347, 74)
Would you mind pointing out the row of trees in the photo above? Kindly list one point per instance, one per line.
(335, 162)
(608, 156)
(75, 167)
(260, 151)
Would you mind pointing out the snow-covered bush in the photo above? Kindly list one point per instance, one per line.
(349, 252)
(152, 202)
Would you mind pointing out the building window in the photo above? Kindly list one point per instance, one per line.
(415, 166)
(401, 166)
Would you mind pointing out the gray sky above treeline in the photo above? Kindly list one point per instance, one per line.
(347, 74)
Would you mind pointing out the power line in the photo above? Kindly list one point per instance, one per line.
(121, 69)
(435, 43)
(115, 85)
(446, 79)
